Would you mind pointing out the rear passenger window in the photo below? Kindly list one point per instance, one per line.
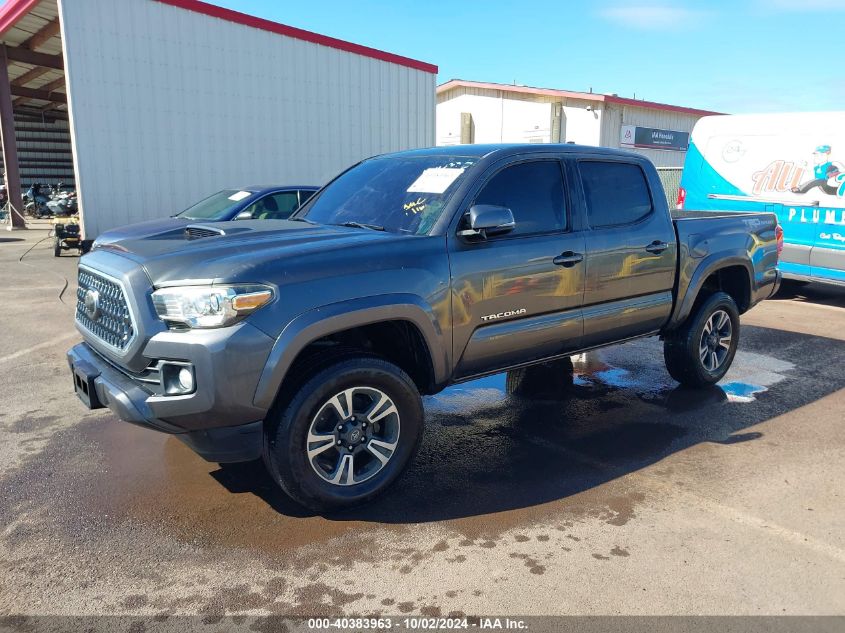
(533, 192)
(616, 193)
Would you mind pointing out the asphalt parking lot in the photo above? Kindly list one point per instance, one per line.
(610, 492)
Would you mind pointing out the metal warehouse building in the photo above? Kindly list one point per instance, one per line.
(475, 112)
(150, 105)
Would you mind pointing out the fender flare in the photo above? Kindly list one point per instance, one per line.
(709, 265)
(319, 322)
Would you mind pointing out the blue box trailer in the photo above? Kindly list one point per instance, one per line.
(790, 164)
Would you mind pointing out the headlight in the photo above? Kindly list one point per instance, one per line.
(209, 306)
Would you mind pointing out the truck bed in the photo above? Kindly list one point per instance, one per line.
(708, 240)
(684, 214)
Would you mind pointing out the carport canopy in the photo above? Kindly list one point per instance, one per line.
(32, 82)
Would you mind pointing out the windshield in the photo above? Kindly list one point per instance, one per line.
(401, 194)
(215, 207)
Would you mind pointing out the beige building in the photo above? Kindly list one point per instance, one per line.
(476, 112)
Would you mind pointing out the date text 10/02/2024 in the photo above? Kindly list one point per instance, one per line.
(416, 623)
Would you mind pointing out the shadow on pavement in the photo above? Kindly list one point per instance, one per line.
(486, 451)
(803, 292)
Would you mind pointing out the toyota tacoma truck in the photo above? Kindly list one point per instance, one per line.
(308, 342)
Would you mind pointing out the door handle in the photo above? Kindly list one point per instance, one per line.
(657, 247)
(568, 259)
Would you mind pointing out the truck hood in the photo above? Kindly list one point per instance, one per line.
(140, 229)
(246, 251)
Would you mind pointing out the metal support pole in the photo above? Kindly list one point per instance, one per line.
(10, 148)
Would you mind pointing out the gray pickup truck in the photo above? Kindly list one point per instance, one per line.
(308, 341)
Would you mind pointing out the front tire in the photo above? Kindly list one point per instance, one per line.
(345, 435)
(701, 351)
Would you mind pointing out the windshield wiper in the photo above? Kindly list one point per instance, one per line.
(301, 219)
(362, 225)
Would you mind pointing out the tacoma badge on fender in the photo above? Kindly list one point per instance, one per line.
(504, 315)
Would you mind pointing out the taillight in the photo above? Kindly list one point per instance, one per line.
(779, 238)
(682, 198)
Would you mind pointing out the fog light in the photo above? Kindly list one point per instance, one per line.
(186, 379)
(177, 380)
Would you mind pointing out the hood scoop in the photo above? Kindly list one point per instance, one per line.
(198, 231)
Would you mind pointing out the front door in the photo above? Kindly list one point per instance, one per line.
(517, 297)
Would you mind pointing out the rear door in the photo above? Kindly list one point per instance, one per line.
(517, 297)
(631, 251)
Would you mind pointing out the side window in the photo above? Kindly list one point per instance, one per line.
(304, 195)
(275, 207)
(616, 193)
(533, 191)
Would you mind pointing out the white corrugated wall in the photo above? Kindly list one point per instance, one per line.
(169, 105)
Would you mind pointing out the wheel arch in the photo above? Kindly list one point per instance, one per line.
(357, 320)
(731, 274)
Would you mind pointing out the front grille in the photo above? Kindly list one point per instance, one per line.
(101, 308)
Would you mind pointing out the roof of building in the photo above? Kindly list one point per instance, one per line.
(14, 11)
(570, 94)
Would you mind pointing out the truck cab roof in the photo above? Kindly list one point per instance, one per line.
(510, 149)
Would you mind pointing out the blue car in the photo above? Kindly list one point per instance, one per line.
(247, 203)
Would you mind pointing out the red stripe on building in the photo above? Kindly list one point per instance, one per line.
(301, 34)
(13, 11)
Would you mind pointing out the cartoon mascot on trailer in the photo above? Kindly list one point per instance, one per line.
(828, 175)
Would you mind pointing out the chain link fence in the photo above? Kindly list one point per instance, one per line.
(671, 179)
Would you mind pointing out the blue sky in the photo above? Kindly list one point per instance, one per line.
(740, 56)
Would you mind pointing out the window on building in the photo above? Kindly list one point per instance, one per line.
(533, 192)
(616, 193)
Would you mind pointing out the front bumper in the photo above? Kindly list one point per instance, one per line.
(218, 420)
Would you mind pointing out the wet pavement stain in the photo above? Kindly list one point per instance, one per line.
(531, 563)
(490, 462)
(134, 601)
(154, 478)
(30, 422)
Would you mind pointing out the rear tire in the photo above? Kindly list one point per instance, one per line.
(341, 403)
(701, 351)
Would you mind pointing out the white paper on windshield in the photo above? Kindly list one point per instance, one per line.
(240, 195)
(435, 180)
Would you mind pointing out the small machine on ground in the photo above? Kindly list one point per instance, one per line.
(66, 236)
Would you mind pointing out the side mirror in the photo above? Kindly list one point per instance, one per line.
(244, 215)
(487, 220)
